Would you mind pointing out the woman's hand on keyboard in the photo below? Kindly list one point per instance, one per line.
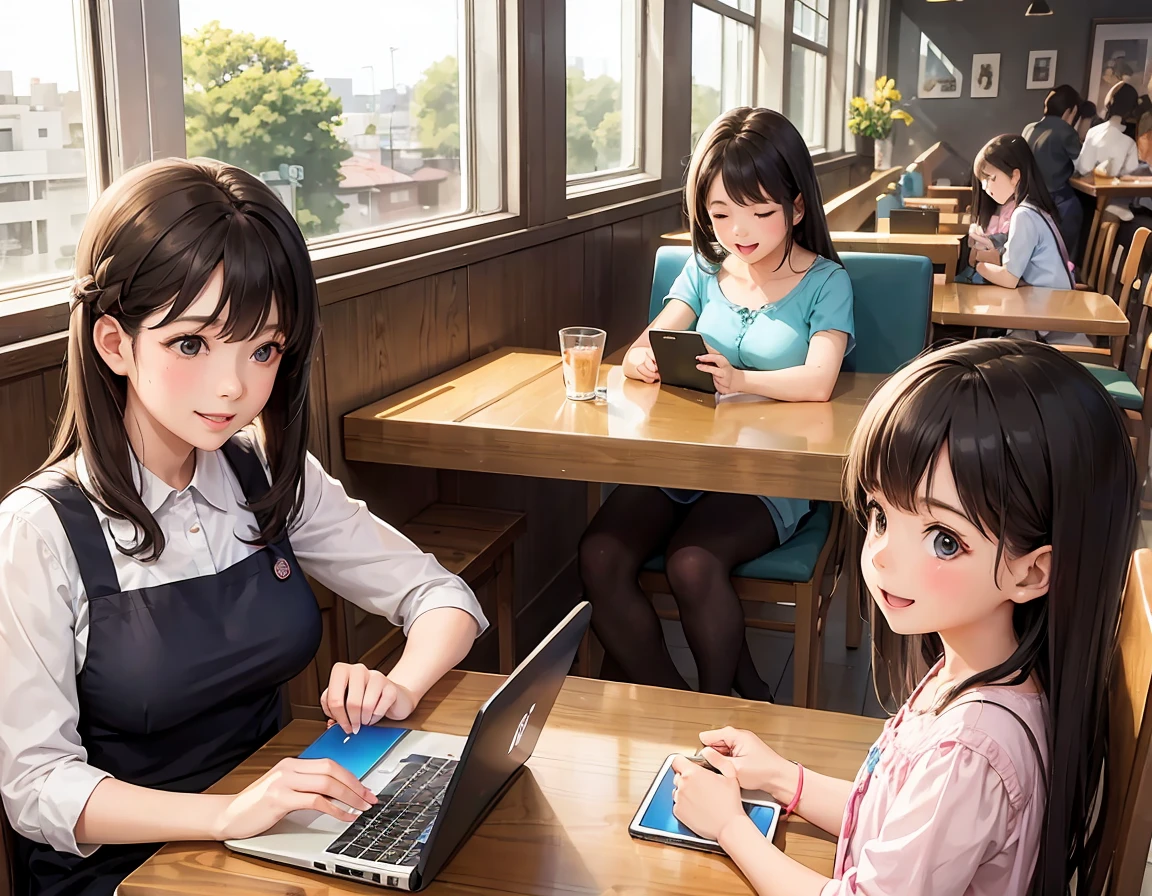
(357, 695)
(317, 784)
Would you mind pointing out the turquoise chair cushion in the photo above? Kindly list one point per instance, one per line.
(1119, 386)
(891, 308)
(794, 561)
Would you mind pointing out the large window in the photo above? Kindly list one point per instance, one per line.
(359, 117)
(603, 53)
(44, 194)
(723, 40)
(808, 77)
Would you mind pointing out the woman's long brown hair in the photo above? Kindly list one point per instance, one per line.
(150, 244)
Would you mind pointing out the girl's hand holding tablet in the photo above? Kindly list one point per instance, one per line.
(357, 695)
(726, 377)
(291, 784)
(705, 801)
(741, 754)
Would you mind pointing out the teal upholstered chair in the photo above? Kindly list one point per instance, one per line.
(892, 309)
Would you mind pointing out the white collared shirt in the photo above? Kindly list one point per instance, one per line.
(1107, 144)
(44, 776)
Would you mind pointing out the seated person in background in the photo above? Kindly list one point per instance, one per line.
(1109, 151)
(1056, 146)
(1088, 119)
(766, 291)
(1034, 253)
(987, 518)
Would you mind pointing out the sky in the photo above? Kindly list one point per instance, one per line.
(343, 45)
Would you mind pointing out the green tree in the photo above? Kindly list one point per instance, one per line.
(436, 104)
(250, 102)
(593, 122)
(705, 108)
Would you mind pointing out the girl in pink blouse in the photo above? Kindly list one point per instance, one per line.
(998, 490)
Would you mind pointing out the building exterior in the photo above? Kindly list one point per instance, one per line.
(43, 181)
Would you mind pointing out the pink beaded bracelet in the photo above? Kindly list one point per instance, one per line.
(799, 787)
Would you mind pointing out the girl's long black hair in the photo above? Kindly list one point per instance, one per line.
(1040, 456)
(760, 156)
(1008, 153)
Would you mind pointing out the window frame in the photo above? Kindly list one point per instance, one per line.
(727, 10)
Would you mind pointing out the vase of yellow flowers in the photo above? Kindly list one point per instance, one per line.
(875, 119)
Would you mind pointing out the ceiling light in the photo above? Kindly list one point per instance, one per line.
(1039, 8)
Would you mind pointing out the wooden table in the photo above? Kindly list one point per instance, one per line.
(563, 827)
(947, 204)
(1028, 308)
(1105, 190)
(506, 413)
(939, 248)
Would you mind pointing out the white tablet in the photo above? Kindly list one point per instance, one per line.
(654, 819)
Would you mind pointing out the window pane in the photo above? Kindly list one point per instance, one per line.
(721, 66)
(355, 117)
(602, 47)
(43, 173)
(808, 94)
(807, 22)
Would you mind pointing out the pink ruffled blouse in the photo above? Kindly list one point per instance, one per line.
(949, 804)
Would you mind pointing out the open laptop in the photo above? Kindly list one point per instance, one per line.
(433, 789)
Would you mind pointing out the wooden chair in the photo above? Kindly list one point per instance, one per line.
(1128, 281)
(1101, 250)
(474, 543)
(1128, 816)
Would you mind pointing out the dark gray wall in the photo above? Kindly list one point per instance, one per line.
(989, 26)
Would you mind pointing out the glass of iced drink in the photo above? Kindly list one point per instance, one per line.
(581, 349)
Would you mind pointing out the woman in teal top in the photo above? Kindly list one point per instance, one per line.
(768, 294)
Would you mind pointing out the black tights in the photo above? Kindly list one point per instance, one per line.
(703, 541)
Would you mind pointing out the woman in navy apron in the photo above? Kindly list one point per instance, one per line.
(155, 599)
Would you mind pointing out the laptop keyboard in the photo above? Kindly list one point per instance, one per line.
(395, 829)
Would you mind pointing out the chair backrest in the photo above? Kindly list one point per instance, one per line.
(1129, 281)
(670, 261)
(892, 304)
(892, 307)
(1103, 261)
(1128, 826)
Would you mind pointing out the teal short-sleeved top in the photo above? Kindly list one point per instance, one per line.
(774, 336)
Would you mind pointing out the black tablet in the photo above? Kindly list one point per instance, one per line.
(676, 352)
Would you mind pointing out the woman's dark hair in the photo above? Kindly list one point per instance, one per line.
(761, 157)
(150, 244)
(1040, 456)
(1008, 153)
(1087, 110)
(1121, 101)
(1061, 99)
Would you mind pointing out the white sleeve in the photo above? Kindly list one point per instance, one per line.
(45, 778)
(342, 544)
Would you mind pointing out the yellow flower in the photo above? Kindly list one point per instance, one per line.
(878, 97)
(886, 108)
(893, 95)
(881, 82)
(858, 102)
(891, 84)
(901, 115)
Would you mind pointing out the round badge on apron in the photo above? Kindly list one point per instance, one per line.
(282, 569)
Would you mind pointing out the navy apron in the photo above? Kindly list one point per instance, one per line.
(182, 681)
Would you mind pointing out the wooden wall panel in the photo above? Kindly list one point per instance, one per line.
(525, 297)
(375, 345)
(24, 438)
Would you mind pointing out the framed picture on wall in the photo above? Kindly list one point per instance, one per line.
(939, 78)
(1121, 50)
(1041, 69)
(985, 75)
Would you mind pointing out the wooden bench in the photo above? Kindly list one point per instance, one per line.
(851, 209)
(474, 543)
